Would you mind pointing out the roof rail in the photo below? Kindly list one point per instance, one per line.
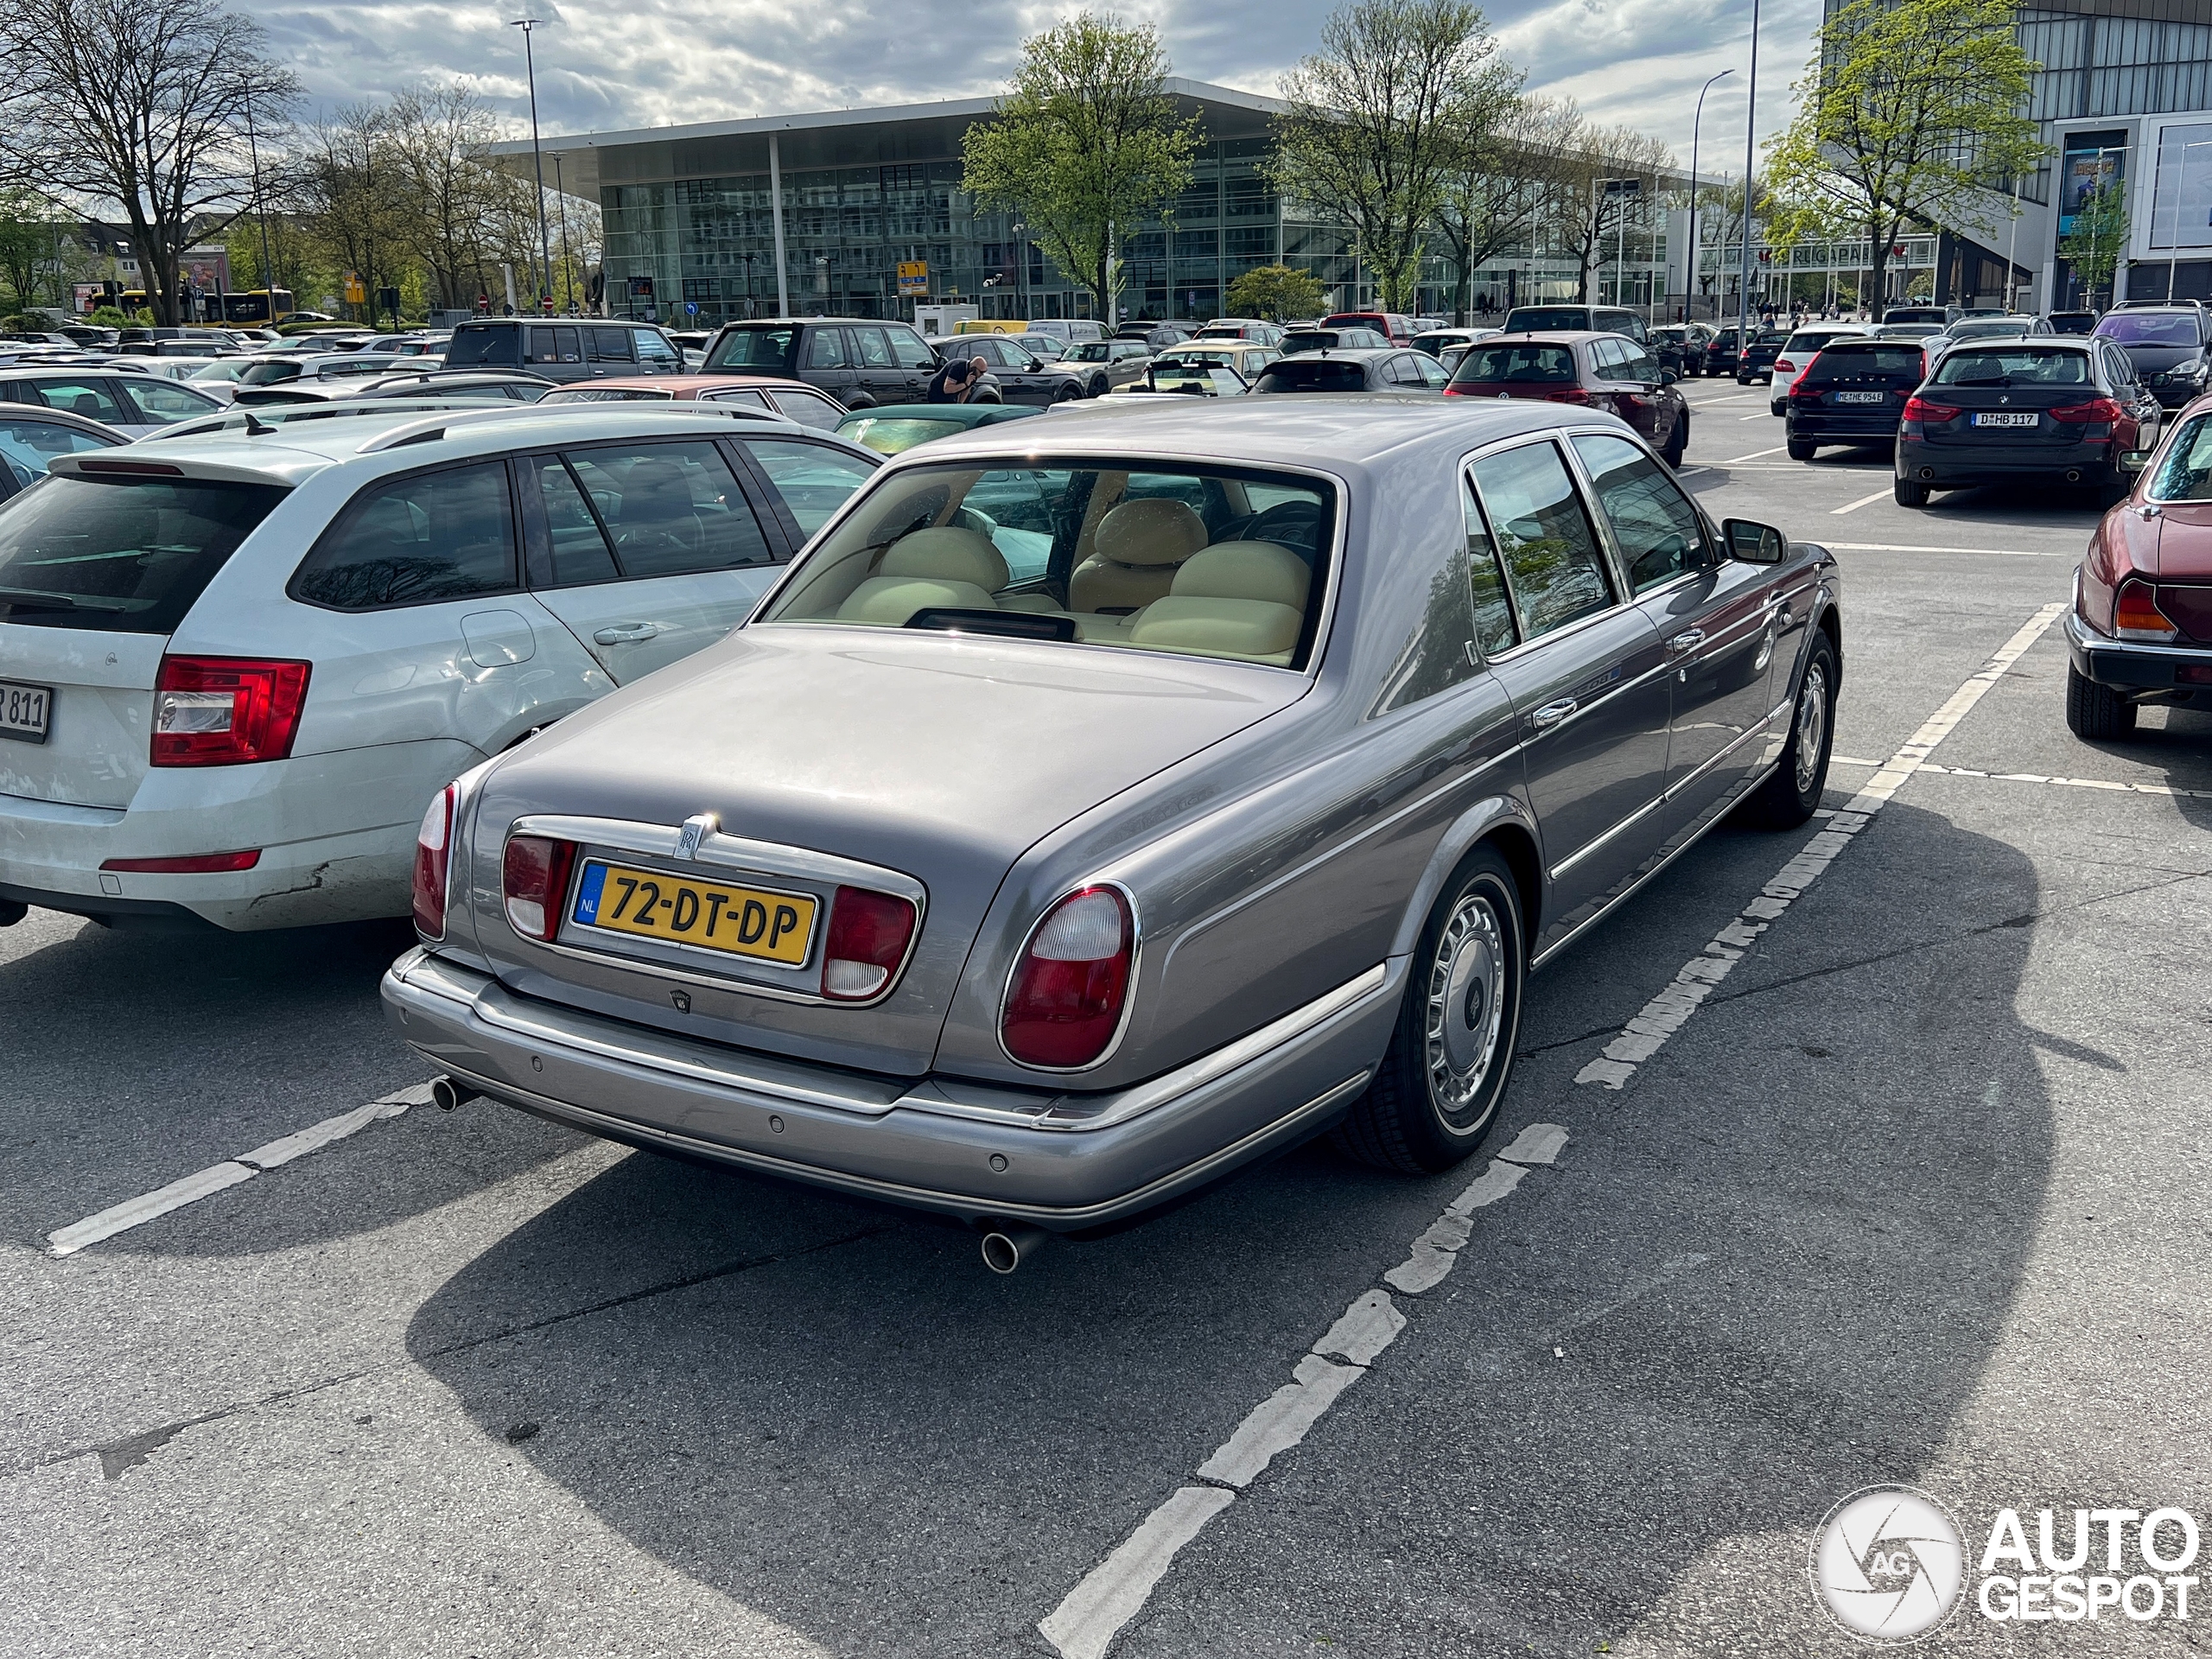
(430, 427)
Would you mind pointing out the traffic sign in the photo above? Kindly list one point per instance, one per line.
(913, 277)
(356, 292)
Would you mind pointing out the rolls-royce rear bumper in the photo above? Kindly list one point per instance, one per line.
(980, 1152)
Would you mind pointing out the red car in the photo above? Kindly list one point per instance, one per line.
(1398, 330)
(1607, 371)
(2141, 627)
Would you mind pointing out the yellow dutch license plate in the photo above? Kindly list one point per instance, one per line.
(753, 922)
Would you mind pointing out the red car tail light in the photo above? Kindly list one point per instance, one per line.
(2097, 408)
(868, 936)
(433, 859)
(190, 864)
(1918, 407)
(226, 711)
(2136, 615)
(534, 879)
(1568, 395)
(1065, 1001)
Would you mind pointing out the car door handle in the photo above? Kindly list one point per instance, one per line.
(1689, 639)
(623, 634)
(1552, 712)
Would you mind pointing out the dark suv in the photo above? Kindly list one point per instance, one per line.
(563, 351)
(860, 361)
(1853, 392)
(2170, 345)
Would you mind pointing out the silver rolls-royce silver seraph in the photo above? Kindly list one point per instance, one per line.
(1104, 802)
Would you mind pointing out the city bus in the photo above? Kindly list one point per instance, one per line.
(253, 306)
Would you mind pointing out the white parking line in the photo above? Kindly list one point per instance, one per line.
(1755, 454)
(147, 1206)
(1668, 1011)
(1882, 495)
(2001, 552)
(1756, 414)
(1112, 1593)
(2071, 782)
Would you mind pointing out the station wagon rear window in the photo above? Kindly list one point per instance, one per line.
(1518, 365)
(1192, 559)
(2018, 366)
(120, 555)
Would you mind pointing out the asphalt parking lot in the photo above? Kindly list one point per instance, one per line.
(1915, 1194)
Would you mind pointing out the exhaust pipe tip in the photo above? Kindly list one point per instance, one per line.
(448, 1093)
(1928, 472)
(2073, 475)
(1007, 1248)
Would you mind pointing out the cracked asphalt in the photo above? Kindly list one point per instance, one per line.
(1917, 1197)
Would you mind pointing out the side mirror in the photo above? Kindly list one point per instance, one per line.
(1668, 376)
(2134, 461)
(1754, 543)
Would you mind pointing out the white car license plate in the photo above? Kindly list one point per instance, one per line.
(1859, 396)
(25, 710)
(2003, 420)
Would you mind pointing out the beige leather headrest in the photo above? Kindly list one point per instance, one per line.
(1149, 532)
(1245, 570)
(947, 553)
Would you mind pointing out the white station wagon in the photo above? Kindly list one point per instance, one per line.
(233, 666)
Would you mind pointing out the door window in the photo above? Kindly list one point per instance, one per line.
(1638, 365)
(812, 479)
(656, 354)
(610, 344)
(581, 553)
(1494, 629)
(752, 399)
(810, 409)
(159, 402)
(1657, 530)
(415, 540)
(92, 397)
(908, 348)
(825, 349)
(670, 508)
(26, 445)
(1550, 550)
(874, 350)
(1606, 356)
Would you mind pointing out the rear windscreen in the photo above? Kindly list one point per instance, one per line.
(753, 348)
(479, 348)
(1320, 374)
(122, 556)
(1559, 316)
(2013, 366)
(1522, 363)
(1867, 363)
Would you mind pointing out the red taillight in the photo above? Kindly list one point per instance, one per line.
(1064, 1003)
(1568, 395)
(2097, 408)
(868, 936)
(190, 864)
(1918, 407)
(534, 879)
(226, 711)
(2136, 615)
(433, 858)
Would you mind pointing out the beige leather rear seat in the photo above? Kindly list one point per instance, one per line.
(1137, 549)
(1237, 598)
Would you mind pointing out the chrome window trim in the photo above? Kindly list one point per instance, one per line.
(1129, 995)
(1552, 436)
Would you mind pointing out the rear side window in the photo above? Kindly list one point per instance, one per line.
(753, 348)
(826, 349)
(555, 343)
(415, 540)
(1523, 364)
(1552, 562)
(122, 556)
(480, 348)
(1313, 374)
(809, 410)
(670, 509)
(609, 344)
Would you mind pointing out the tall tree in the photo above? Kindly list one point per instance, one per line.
(1500, 178)
(1087, 145)
(1368, 130)
(1275, 294)
(2098, 239)
(1606, 181)
(355, 196)
(442, 138)
(1909, 113)
(137, 107)
(35, 246)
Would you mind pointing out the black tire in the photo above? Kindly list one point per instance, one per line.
(1463, 1003)
(1908, 492)
(1098, 387)
(2096, 714)
(1802, 448)
(1066, 393)
(1678, 442)
(1792, 794)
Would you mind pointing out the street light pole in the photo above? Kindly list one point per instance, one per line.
(1751, 160)
(1021, 269)
(529, 67)
(268, 271)
(568, 271)
(1690, 283)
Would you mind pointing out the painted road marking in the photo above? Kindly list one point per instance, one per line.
(1882, 495)
(149, 1206)
(1112, 1593)
(1756, 454)
(1767, 414)
(2001, 552)
(2170, 789)
(1668, 1011)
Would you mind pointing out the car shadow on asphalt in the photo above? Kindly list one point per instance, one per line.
(2177, 739)
(877, 1443)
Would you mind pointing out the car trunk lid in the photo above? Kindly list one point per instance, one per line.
(100, 688)
(938, 757)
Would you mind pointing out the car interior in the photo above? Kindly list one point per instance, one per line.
(1201, 563)
(2029, 367)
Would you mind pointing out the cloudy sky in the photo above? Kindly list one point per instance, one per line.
(652, 62)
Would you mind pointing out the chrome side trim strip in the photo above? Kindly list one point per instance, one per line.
(1672, 790)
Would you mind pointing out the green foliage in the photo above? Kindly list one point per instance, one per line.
(109, 316)
(1087, 145)
(1275, 294)
(1372, 124)
(1908, 114)
(35, 246)
(2099, 238)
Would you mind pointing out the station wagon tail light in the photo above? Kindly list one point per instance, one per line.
(534, 879)
(433, 859)
(1064, 1002)
(2097, 408)
(226, 711)
(868, 936)
(2136, 615)
(1919, 409)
